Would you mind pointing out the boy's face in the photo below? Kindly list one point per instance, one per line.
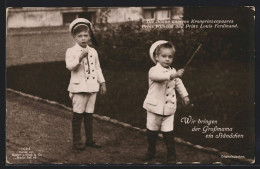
(165, 57)
(82, 38)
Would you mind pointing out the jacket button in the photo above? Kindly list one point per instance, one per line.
(168, 87)
(91, 56)
(92, 70)
(167, 94)
(92, 63)
(87, 78)
(93, 77)
(166, 102)
(173, 95)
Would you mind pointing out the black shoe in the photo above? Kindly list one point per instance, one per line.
(93, 144)
(79, 147)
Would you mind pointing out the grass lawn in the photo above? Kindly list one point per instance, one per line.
(220, 90)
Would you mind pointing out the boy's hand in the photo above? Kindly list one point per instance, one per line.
(186, 100)
(103, 88)
(178, 74)
(83, 54)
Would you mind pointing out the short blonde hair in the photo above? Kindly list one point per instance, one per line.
(164, 45)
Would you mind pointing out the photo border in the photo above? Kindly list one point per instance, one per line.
(117, 3)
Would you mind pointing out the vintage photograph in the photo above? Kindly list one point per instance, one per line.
(143, 85)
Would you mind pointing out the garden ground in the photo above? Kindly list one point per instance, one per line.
(40, 133)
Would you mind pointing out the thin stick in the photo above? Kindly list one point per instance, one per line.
(192, 56)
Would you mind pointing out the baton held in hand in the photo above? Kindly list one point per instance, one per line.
(192, 56)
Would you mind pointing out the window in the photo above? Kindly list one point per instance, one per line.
(148, 14)
(156, 13)
(69, 17)
(88, 15)
(162, 14)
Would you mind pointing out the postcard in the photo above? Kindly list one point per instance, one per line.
(130, 85)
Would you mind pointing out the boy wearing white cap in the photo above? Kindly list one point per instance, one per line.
(86, 80)
(160, 101)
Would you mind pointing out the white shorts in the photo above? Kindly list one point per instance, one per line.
(156, 122)
(83, 102)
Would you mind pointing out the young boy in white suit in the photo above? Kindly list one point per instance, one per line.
(160, 101)
(86, 80)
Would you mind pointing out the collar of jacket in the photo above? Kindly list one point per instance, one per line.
(78, 47)
(158, 65)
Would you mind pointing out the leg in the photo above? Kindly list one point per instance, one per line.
(88, 120)
(78, 104)
(76, 131)
(153, 126)
(88, 124)
(151, 150)
(168, 137)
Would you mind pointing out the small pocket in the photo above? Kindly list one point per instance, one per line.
(151, 101)
(74, 81)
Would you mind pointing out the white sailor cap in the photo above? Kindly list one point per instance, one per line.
(79, 21)
(154, 46)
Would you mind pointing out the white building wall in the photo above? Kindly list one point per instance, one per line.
(41, 17)
(34, 19)
(125, 14)
(26, 17)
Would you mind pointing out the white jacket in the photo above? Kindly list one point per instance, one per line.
(161, 97)
(86, 75)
